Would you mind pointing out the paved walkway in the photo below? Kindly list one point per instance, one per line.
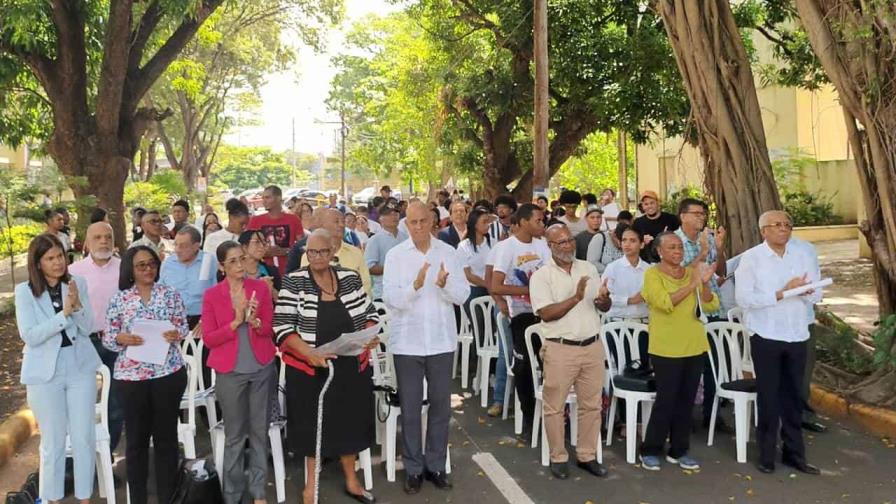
(853, 296)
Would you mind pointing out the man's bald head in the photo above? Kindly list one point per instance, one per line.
(100, 240)
(333, 221)
(419, 220)
(557, 232)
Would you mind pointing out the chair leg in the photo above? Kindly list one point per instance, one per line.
(600, 449)
(631, 424)
(465, 364)
(536, 422)
(364, 460)
(189, 441)
(545, 449)
(741, 425)
(391, 434)
(454, 364)
(646, 408)
(611, 419)
(573, 423)
(482, 373)
(712, 420)
(448, 459)
(219, 453)
(517, 413)
(277, 456)
(508, 390)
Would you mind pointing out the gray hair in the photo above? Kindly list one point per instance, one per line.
(763, 219)
(195, 235)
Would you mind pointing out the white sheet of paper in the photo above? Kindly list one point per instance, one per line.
(824, 282)
(154, 349)
(350, 344)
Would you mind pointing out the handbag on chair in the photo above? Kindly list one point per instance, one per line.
(636, 377)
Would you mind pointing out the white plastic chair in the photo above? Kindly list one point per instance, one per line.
(464, 339)
(736, 315)
(504, 340)
(186, 431)
(625, 335)
(204, 396)
(486, 341)
(538, 416)
(727, 336)
(105, 482)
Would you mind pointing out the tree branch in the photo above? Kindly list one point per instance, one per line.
(140, 37)
(114, 68)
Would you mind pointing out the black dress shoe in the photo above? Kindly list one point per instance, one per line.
(765, 468)
(801, 466)
(560, 470)
(364, 497)
(439, 479)
(814, 426)
(594, 467)
(412, 484)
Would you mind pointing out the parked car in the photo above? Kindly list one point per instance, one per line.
(253, 197)
(364, 196)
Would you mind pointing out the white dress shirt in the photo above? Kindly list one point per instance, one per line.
(759, 276)
(623, 282)
(422, 321)
(812, 256)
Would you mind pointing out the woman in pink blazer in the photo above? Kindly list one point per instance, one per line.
(236, 328)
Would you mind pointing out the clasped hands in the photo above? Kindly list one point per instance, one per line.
(602, 293)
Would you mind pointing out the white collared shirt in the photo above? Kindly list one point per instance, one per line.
(623, 282)
(812, 256)
(422, 321)
(552, 284)
(759, 275)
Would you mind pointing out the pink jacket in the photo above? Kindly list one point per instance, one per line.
(217, 314)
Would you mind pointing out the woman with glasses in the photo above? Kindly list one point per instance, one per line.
(236, 328)
(150, 393)
(58, 366)
(676, 297)
(254, 248)
(318, 303)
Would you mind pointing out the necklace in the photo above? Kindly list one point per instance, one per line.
(332, 278)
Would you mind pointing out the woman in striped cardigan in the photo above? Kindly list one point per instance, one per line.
(317, 304)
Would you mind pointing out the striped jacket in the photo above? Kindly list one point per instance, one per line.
(296, 310)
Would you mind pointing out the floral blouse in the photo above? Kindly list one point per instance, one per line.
(125, 307)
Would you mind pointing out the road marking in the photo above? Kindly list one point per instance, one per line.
(501, 479)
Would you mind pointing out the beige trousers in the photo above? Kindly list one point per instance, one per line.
(581, 368)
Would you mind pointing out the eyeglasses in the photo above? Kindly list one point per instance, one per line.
(317, 252)
(235, 260)
(698, 213)
(564, 242)
(153, 221)
(779, 225)
(146, 266)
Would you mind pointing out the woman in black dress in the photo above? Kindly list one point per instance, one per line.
(317, 304)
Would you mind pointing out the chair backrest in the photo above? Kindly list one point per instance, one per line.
(384, 319)
(620, 340)
(103, 404)
(532, 332)
(505, 341)
(726, 358)
(192, 386)
(482, 313)
(736, 314)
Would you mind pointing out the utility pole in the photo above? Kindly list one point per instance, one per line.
(293, 152)
(540, 165)
(623, 169)
(343, 132)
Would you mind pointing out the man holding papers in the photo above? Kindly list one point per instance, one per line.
(777, 321)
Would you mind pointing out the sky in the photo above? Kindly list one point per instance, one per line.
(299, 94)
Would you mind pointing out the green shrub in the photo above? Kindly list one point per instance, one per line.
(810, 209)
(21, 235)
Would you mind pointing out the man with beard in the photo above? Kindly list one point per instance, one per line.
(100, 269)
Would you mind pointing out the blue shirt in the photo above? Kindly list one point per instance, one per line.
(691, 251)
(184, 278)
(375, 254)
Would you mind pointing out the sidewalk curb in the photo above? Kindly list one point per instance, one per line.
(878, 421)
(14, 431)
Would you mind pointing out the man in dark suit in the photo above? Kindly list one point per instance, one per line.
(456, 231)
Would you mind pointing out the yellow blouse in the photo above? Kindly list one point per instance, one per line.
(675, 331)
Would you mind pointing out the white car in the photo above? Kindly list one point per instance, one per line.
(364, 196)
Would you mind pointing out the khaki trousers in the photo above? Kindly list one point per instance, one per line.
(581, 368)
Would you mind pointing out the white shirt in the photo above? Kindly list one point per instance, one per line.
(518, 261)
(422, 321)
(216, 238)
(610, 210)
(812, 256)
(623, 282)
(574, 227)
(475, 260)
(759, 275)
(374, 226)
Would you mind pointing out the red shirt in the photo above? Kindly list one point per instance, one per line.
(285, 230)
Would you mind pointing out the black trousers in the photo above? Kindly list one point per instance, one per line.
(151, 409)
(522, 368)
(677, 379)
(779, 377)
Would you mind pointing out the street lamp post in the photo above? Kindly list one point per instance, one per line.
(540, 165)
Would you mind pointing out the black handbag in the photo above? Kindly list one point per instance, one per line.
(636, 377)
(197, 483)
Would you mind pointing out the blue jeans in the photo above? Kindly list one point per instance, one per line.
(501, 366)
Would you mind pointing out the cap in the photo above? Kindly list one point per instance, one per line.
(649, 194)
(593, 208)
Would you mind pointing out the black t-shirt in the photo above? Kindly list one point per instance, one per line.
(653, 227)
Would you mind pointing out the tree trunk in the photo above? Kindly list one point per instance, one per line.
(725, 111)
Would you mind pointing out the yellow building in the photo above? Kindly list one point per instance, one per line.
(795, 120)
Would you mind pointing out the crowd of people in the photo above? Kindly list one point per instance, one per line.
(266, 290)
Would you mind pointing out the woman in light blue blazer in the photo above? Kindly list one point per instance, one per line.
(58, 366)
